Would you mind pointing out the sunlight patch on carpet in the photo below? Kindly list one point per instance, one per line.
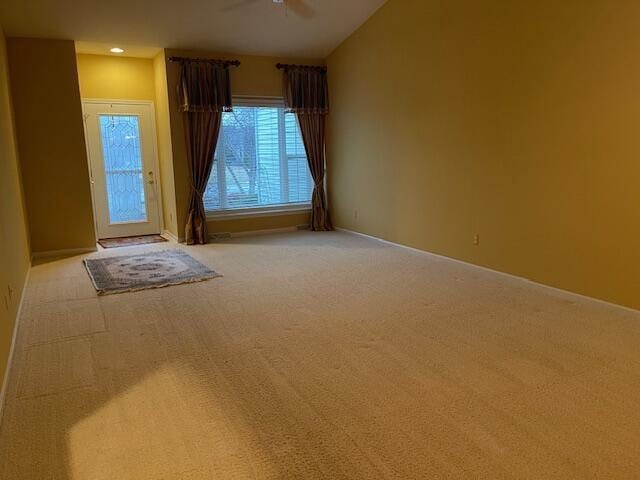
(166, 423)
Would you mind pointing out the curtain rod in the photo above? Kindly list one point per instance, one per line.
(234, 63)
(284, 66)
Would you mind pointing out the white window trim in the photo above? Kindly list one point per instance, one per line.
(262, 211)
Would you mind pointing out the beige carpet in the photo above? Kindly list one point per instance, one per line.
(320, 356)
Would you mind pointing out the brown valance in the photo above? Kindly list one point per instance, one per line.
(305, 89)
(204, 85)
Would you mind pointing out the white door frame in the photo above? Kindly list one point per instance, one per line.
(156, 162)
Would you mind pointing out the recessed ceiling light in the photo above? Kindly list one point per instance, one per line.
(116, 50)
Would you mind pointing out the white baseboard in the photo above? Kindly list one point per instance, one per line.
(16, 324)
(487, 269)
(170, 236)
(63, 253)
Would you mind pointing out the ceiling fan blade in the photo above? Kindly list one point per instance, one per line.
(300, 8)
(238, 5)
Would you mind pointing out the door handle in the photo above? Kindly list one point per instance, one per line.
(151, 181)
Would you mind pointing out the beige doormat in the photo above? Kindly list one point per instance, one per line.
(130, 241)
(131, 273)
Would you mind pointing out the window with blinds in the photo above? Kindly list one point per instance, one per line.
(260, 161)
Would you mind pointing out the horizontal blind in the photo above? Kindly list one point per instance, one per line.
(300, 183)
(260, 161)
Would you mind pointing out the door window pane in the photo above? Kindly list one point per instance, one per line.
(120, 135)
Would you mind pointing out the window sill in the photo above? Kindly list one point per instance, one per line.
(258, 212)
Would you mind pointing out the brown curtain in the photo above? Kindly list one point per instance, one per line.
(203, 94)
(307, 95)
(313, 136)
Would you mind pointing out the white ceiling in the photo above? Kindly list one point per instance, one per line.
(257, 27)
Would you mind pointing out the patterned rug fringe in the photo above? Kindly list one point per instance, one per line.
(156, 269)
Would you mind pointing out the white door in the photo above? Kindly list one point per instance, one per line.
(123, 167)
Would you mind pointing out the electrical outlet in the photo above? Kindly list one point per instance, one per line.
(476, 239)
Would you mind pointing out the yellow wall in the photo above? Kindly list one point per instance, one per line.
(14, 240)
(256, 76)
(165, 148)
(116, 78)
(53, 157)
(515, 121)
(254, 224)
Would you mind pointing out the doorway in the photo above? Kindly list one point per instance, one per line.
(123, 166)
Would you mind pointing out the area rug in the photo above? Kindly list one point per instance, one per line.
(129, 241)
(157, 269)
